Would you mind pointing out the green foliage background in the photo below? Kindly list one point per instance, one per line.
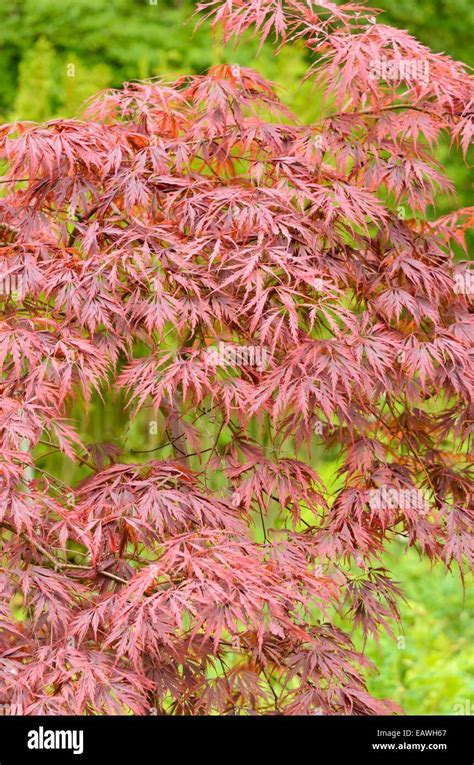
(429, 667)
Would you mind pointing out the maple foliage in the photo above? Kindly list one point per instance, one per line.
(178, 216)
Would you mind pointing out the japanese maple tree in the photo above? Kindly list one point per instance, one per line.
(153, 242)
